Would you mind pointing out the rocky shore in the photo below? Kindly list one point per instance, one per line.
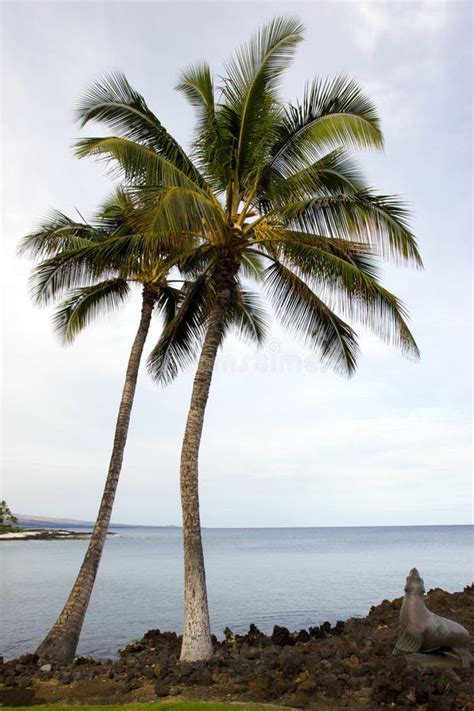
(46, 534)
(345, 666)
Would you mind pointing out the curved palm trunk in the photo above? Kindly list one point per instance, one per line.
(60, 643)
(197, 644)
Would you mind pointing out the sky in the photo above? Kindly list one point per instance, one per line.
(286, 443)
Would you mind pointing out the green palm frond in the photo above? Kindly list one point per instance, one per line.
(171, 201)
(377, 219)
(196, 260)
(347, 281)
(116, 211)
(113, 101)
(197, 84)
(167, 302)
(334, 113)
(84, 305)
(305, 249)
(51, 278)
(258, 64)
(334, 173)
(139, 164)
(252, 77)
(180, 341)
(210, 146)
(182, 212)
(301, 311)
(58, 233)
(81, 267)
(252, 265)
(249, 318)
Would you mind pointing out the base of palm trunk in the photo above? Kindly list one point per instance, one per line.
(197, 649)
(59, 647)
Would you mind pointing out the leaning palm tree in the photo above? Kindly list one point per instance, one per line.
(109, 256)
(269, 189)
(100, 257)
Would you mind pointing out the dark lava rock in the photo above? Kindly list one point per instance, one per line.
(254, 633)
(303, 636)
(183, 673)
(316, 632)
(281, 636)
(350, 661)
(334, 687)
(161, 689)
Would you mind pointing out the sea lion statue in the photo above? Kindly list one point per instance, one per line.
(422, 630)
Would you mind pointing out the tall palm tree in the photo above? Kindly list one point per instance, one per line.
(89, 268)
(99, 257)
(269, 189)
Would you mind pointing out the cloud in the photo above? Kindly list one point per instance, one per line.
(284, 443)
(381, 20)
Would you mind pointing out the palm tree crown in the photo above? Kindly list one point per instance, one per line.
(268, 190)
(88, 268)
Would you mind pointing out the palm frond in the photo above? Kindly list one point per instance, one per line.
(249, 318)
(81, 267)
(140, 164)
(197, 84)
(334, 113)
(212, 145)
(58, 233)
(84, 305)
(167, 302)
(113, 101)
(181, 212)
(181, 339)
(346, 279)
(259, 63)
(196, 260)
(334, 173)
(252, 265)
(380, 220)
(252, 76)
(51, 278)
(301, 311)
(304, 249)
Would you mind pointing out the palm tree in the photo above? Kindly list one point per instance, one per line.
(99, 255)
(268, 190)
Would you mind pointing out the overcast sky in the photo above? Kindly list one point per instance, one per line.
(285, 443)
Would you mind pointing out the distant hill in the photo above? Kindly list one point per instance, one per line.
(28, 521)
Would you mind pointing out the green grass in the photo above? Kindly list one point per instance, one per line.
(4, 528)
(171, 705)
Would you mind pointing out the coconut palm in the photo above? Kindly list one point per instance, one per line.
(100, 258)
(268, 189)
(106, 258)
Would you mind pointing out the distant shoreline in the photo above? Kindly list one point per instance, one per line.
(36, 522)
(46, 534)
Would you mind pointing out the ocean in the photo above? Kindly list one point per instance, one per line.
(296, 577)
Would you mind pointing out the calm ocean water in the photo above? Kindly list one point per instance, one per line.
(293, 577)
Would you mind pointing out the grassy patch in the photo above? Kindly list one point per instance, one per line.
(10, 529)
(171, 705)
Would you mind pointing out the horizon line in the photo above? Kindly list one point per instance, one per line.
(66, 521)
